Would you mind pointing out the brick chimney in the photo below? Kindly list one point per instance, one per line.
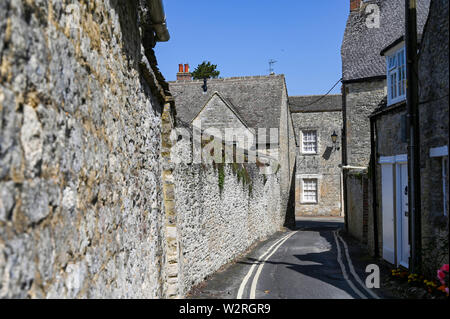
(355, 5)
(183, 74)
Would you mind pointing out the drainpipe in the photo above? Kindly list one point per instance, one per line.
(373, 155)
(158, 18)
(344, 153)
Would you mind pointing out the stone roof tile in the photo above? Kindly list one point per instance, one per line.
(361, 46)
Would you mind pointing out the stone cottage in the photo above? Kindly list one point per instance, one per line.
(390, 148)
(318, 181)
(257, 105)
(371, 27)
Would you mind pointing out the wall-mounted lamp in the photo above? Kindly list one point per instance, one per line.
(334, 138)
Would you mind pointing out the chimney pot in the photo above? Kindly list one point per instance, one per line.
(355, 5)
(183, 73)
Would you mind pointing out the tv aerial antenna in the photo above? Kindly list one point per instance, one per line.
(271, 64)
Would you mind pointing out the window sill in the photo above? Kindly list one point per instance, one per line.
(308, 154)
(309, 203)
(396, 101)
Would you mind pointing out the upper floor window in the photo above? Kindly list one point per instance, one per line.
(309, 142)
(396, 75)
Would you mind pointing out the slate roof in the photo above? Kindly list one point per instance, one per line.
(315, 103)
(257, 99)
(361, 46)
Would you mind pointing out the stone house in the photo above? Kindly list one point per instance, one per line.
(255, 105)
(434, 136)
(390, 148)
(371, 27)
(318, 181)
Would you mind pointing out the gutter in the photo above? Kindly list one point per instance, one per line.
(158, 19)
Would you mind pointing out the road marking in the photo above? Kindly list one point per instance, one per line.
(258, 272)
(352, 269)
(250, 272)
(344, 272)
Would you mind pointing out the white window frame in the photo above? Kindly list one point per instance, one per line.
(396, 76)
(442, 152)
(304, 150)
(306, 200)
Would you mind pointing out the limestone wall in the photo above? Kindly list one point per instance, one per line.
(361, 100)
(434, 116)
(91, 205)
(80, 186)
(221, 211)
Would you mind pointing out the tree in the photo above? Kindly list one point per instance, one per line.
(205, 70)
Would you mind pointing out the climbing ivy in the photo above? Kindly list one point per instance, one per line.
(221, 173)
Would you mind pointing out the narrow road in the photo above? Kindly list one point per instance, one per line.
(312, 262)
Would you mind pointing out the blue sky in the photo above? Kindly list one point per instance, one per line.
(240, 36)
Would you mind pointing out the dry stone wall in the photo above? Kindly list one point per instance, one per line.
(221, 211)
(80, 175)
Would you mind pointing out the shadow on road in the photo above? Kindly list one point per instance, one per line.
(317, 262)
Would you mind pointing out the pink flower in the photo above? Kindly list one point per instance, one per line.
(441, 276)
(445, 268)
(446, 290)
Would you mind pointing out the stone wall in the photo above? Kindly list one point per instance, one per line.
(434, 116)
(324, 165)
(356, 181)
(361, 99)
(80, 175)
(221, 210)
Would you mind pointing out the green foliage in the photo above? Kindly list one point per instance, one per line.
(221, 170)
(205, 70)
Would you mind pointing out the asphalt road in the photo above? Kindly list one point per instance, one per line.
(311, 262)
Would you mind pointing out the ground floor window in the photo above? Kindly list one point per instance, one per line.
(310, 190)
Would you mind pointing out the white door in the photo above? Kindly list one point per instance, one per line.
(403, 248)
(387, 199)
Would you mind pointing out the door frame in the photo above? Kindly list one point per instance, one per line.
(396, 162)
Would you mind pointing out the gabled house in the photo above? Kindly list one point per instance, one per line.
(372, 26)
(255, 105)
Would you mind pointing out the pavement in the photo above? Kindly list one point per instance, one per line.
(315, 261)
